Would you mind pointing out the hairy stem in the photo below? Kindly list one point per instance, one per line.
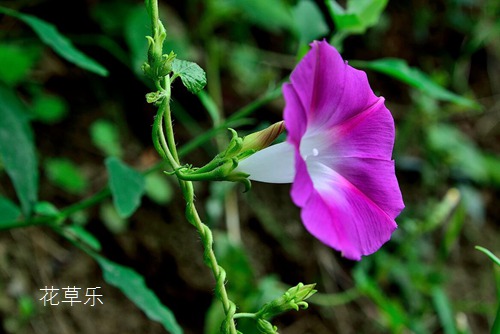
(164, 143)
(210, 258)
(167, 149)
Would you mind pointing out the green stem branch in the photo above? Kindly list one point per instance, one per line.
(245, 315)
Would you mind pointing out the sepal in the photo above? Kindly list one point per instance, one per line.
(265, 327)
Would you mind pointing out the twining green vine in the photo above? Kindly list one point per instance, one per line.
(158, 69)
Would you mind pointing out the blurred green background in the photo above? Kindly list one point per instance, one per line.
(435, 62)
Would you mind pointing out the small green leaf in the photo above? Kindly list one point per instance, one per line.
(233, 257)
(271, 15)
(58, 42)
(17, 150)
(310, 23)
(359, 15)
(457, 150)
(27, 308)
(492, 164)
(133, 286)
(137, 26)
(490, 254)
(368, 11)
(444, 310)
(390, 309)
(193, 76)
(46, 209)
(127, 186)
(335, 299)
(399, 69)
(214, 316)
(49, 109)
(78, 232)
(496, 324)
(9, 211)
(111, 219)
(158, 188)
(16, 62)
(106, 136)
(66, 174)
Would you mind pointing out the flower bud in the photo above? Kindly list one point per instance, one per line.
(165, 66)
(259, 140)
(293, 299)
(265, 327)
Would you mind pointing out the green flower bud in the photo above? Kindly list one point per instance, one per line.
(165, 66)
(293, 299)
(265, 327)
(155, 97)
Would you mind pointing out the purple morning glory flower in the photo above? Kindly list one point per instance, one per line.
(337, 154)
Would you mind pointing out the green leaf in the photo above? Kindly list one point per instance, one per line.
(27, 308)
(492, 165)
(16, 62)
(193, 76)
(399, 69)
(78, 232)
(214, 316)
(136, 28)
(58, 42)
(9, 211)
(158, 188)
(457, 150)
(49, 109)
(111, 219)
(137, 24)
(106, 136)
(251, 73)
(133, 286)
(310, 23)
(271, 15)
(390, 309)
(17, 150)
(490, 254)
(335, 299)
(496, 324)
(127, 186)
(359, 15)
(444, 310)
(66, 174)
(46, 209)
(233, 257)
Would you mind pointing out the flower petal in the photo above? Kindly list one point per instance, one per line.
(273, 164)
(339, 214)
(374, 178)
(295, 114)
(302, 186)
(329, 90)
(369, 134)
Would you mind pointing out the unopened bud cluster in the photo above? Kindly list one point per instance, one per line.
(293, 299)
